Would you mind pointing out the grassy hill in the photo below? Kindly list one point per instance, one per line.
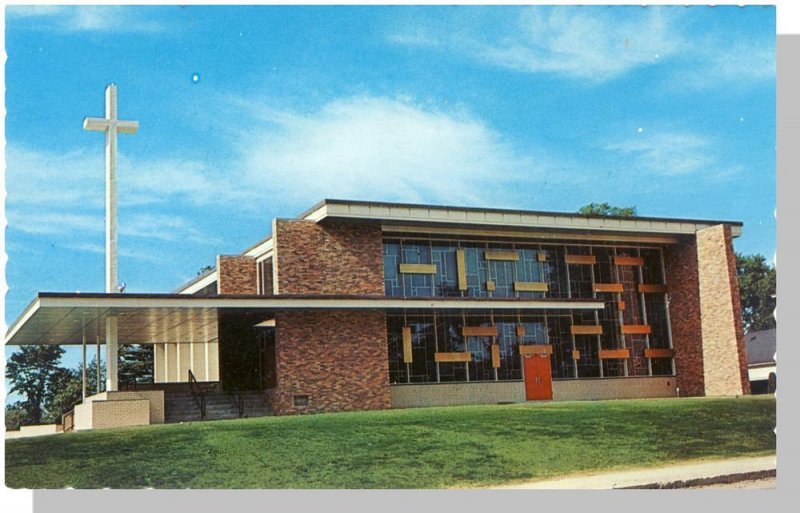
(416, 448)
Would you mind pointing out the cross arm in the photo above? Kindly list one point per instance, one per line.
(127, 127)
(95, 124)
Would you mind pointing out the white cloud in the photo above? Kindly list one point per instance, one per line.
(594, 43)
(63, 194)
(372, 148)
(85, 18)
(737, 64)
(598, 43)
(666, 153)
(588, 43)
(359, 148)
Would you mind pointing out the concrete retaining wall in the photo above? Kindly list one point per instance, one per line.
(614, 388)
(449, 394)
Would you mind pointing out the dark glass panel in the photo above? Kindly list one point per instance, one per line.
(554, 272)
(529, 269)
(477, 270)
(423, 347)
(651, 270)
(451, 340)
(637, 364)
(609, 320)
(604, 268)
(558, 330)
(417, 285)
(661, 366)
(391, 266)
(510, 362)
(446, 279)
(588, 363)
(397, 369)
(657, 319)
(580, 281)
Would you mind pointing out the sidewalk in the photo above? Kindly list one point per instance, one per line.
(673, 476)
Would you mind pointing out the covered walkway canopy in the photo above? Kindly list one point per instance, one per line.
(64, 318)
(173, 319)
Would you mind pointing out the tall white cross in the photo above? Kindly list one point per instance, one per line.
(111, 125)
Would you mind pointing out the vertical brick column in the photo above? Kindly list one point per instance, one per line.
(329, 258)
(680, 265)
(338, 359)
(725, 372)
(236, 275)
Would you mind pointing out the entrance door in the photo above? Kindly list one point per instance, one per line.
(538, 382)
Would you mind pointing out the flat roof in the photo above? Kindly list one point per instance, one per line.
(439, 214)
(64, 318)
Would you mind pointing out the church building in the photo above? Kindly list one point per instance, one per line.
(361, 305)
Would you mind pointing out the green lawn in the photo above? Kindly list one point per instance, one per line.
(416, 448)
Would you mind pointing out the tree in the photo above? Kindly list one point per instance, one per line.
(604, 209)
(64, 390)
(205, 269)
(63, 393)
(30, 371)
(757, 280)
(136, 363)
(16, 415)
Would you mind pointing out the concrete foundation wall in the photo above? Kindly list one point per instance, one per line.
(451, 394)
(614, 388)
(38, 430)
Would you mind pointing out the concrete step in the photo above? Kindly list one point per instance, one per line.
(182, 407)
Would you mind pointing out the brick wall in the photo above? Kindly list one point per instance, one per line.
(236, 274)
(680, 264)
(127, 412)
(338, 359)
(725, 372)
(155, 397)
(329, 258)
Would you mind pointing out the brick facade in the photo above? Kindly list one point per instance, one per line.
(723, 337)
(680, 265)
(339, 359)
(236, 275)
(329, 258)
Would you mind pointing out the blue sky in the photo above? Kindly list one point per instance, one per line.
(252, 113)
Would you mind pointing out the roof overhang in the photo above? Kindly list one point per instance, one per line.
(66, 318)
(432, 215)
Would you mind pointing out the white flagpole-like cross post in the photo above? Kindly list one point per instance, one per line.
(111, 125)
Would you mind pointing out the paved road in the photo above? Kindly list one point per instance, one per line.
(667, 474)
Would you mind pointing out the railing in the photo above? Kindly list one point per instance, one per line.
(68, 421)
(198, 394)
(238, 401)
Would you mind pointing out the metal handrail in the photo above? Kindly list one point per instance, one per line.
(199, 396)
(238, 401)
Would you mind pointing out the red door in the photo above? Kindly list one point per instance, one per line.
(538, 382)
